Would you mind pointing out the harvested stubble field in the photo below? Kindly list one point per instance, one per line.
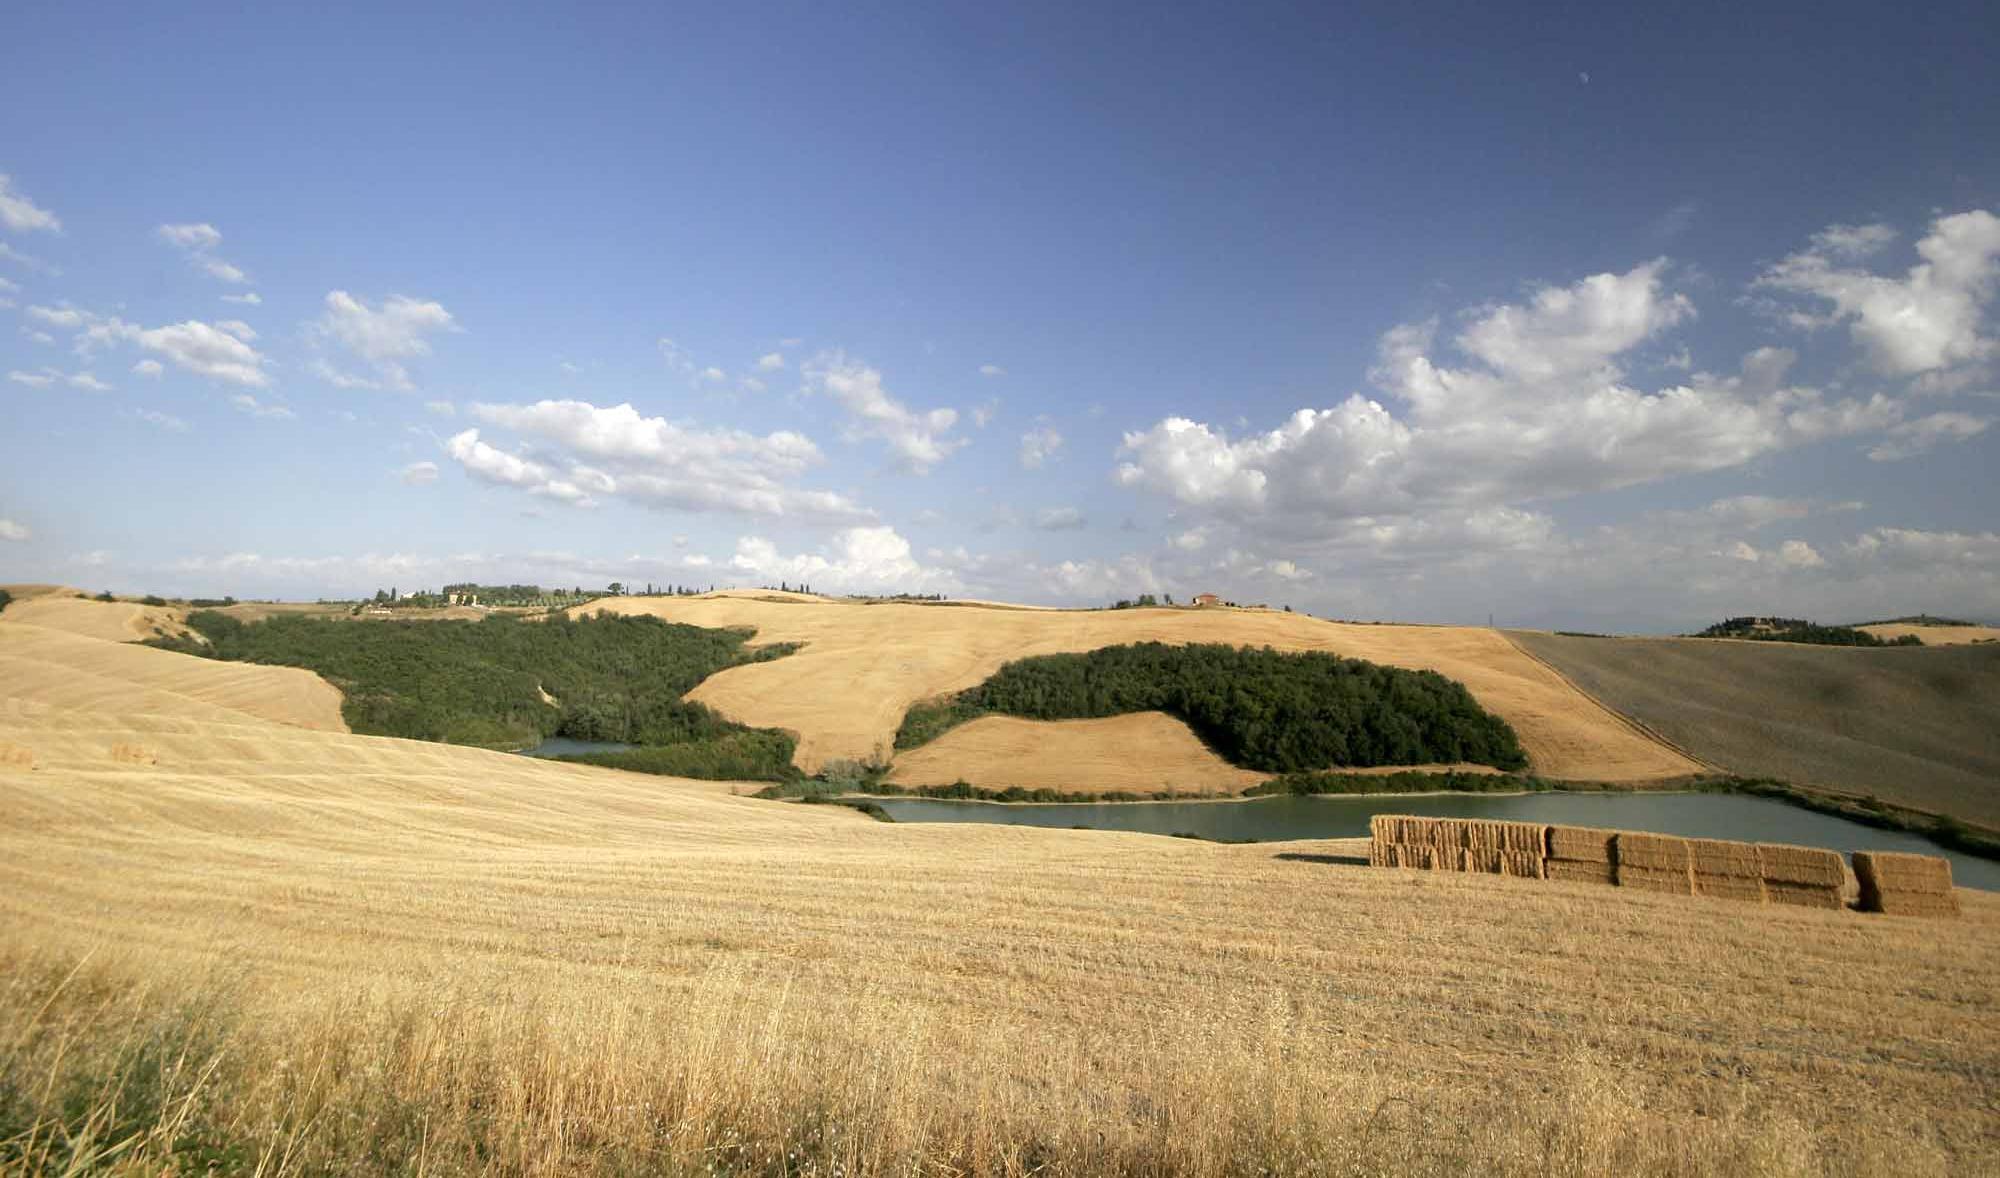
(323, 952)
(863, 665)
(1913, 726)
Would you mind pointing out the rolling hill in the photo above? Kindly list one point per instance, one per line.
(1916, 726)
(441, 957)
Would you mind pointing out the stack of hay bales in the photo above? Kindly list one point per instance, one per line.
(1505, 848)
(1809, 877)
(1428, 844)
(1905, 885)
(1581, 854)
(1727, 870)
(1457, 844)
(1654, 863)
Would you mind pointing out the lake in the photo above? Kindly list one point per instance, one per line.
(1694, 815)
(563, 746)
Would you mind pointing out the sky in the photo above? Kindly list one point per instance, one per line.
(1445, 315)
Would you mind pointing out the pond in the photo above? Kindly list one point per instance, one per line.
(1694, 815)
(563, 746)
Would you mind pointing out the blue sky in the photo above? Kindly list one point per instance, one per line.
(1372, 312)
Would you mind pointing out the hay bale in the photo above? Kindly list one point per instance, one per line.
(1808, 866)
(1446, 834)
(1900, 884)
(1527, 838)
(1571, 871)
(1479, 860)
(1730, 887)
(1899, 871)
(1803, 895)
(1652, 852)
(1919, 904)
(1419, 858)
(1522, 865)
(1676, 881)
(1723, 859)
(16, 756)
(1581, 844)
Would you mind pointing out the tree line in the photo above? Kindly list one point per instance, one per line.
(1263, 709)
(1800, 630)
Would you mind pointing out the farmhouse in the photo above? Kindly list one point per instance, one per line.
(1206, 599)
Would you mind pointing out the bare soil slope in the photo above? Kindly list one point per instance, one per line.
(863, 665)
(1057, 982)
(1919, 727)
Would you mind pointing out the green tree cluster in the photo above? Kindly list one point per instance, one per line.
(1800, 630)
(1274, 711)
(502, 682)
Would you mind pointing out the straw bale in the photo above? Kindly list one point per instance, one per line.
(1445, 833)
(1653, 852)
(1571, 871)
(1897, 871)
(1730, 887)
(1905, 885)
(16, 756)
(1803, 895)
(1521, 864)
(1521, 837)
(1420, 858)
(1480, 860)
(1721, 857)
(1813, 866)
(1677, 880)
(1916, 904)
(1581, 844)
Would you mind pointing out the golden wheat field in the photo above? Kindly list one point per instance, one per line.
(863, 664)
(1936, 635)
(270, 942)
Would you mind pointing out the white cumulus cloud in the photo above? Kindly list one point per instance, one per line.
(385, 337)
(197, 240)
(22, 215)
(1039, 445)
(16, 532)
(918, 439)
(1930, 317)
(616, 450)
(860, 559)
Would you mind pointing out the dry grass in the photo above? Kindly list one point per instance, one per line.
(863, 665)
(1917, 727)
(1143, 751)
(111, 621)
(1936, 635)
(330, 953)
